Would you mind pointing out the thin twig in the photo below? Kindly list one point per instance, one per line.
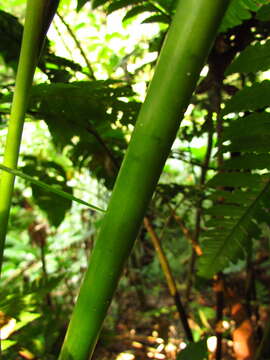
(108, 151)
(169, 278)
(195, 245)
(78, 44)
(216, 98)
(62, 39)
(181, 157)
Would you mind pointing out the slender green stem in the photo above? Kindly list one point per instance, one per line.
(39, 14)
(49, 188)
(188, 42)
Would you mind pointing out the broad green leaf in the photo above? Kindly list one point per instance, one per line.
(77, 107)
(168, 5)
(26, 318)
(248, 161)
(194, 351)
(13, 304)
(165, 19)
(235, 179)
(254, 58)
(81, 3)
(263, 215)
(119, 4)
(89, 113)
(238, 11)
(139, 10)
(264, 13)
(6, 344)
(215, 223)
(255, 124)
(52, 174)
(11, 35)
(255, 97)
(237, 196)
(258, 142)
(97, 3)
(225, 210)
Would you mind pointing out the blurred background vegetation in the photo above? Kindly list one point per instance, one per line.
(92, 77)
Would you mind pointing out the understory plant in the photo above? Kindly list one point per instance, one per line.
(39, 14)
(208, 222)
(179, 65)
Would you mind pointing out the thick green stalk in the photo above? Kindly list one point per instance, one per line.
(188, 42)
(39, 14)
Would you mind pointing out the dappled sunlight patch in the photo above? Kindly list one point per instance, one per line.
(125, 356)
(7, 329)
(212, 343)
(26, 354)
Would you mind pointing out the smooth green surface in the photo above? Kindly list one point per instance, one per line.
(37, 20)
(183, 55)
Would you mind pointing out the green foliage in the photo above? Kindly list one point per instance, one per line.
(243, 201)
(254, 58)
(138, 10)
(90, 123)
(235, 220)
(89, 113)
(25, 306)
(264, 13)
(239, 11)
(80, 4)
(248, 161)
(195, 351)
(19, 300)
(229, 240)
(162, 9)
(254, 97)
(11, 36)
(52, 174)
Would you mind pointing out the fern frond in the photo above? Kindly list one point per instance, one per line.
(224, 242)
(250, 98)
(240, 199)
(254, 58)
(238, 11)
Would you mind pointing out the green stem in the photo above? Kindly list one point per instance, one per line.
(49, 188)
(188, 42)
(39, 14)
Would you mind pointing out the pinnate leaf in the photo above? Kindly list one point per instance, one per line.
(254, 97)
(254, 58)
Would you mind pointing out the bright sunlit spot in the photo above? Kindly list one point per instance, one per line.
(125, 356)
(212, 343)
